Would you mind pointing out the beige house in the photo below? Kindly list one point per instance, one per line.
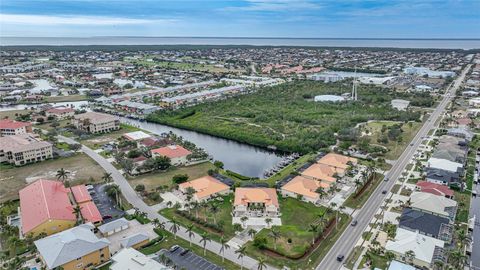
(256, 202)
(176, 153)
(60, 113)
(205, 188)
(12, 127)
(23, 149)
(93, 122)
(304, 188)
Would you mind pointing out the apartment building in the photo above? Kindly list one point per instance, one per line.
(23, 149)
(12, 127)
(93, 122)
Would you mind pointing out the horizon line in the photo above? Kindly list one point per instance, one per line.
(239, 37)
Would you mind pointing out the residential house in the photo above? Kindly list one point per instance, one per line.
(12, 127)
(177, 154)
(131, 259)
(461, 132)
(45, 208)
(73, 249)
(436, 205)
(93, 122)
(135, 241)
(427, 224)
(23, 149)
(256, 202)
(339, 162)
(305, 188)
(436, 189)
(323, 173)
(112, 227)
(136, 136)
(426, 250)
(442, 177)
(396, 265)
(205, 188)
(60, 113)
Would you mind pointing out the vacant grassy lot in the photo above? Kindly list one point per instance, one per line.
(396, 147)
(285, 116)
(359, 201)
(156, 179)
(80, 166)
(12, 114)
(463, 199)
(296, 219)
(224, 215)
(97, 140)
(66, 98)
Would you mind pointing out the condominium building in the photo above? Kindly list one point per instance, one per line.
(256, 202)
(60, 113)
(23, 149)
(93, 122)
(12, 127)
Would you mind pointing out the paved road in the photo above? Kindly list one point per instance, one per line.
(351, 235)
(133, 199)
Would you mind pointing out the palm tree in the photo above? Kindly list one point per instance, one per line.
(204, 240)
(155, 222)
(241, 253)
(223, 246)
(107, 177)
(410, 256)
(77, 211)
(13, 243)
(261, 263)
(214, 209)
(275, 234)
(314, 229)
(190, 233)
(62, 175)
(243, 220)
(268, 221)
(321, 192)
(174, 228)
(115, 189)
(251, 233)
(333, 205)
(457, 258)
(169, 204)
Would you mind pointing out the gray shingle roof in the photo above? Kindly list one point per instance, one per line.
(108, 227)
(426, 223)
(134, 239)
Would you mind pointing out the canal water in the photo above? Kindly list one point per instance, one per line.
(238, 157)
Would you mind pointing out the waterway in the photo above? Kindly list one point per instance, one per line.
(238, 157)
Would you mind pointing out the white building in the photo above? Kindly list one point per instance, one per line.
(93, 122)
(328, 98)
(400, 104)
(131, 259)
(23, 149)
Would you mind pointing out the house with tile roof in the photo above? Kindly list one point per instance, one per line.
(45, 208)
(12, 127)
(205, 188)
(177, 154)
(88, 208)
(434, 188)
(323, 173)
(73, 249)
(256, 202)
(305, 188)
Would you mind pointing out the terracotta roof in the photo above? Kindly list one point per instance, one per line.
(90, 212)
(12, 124)
(243, 196)
(436, 189)
(336, 160)
(322, 172)
(205, 186)
(304, 186)
(80, 193)
(60, 110)
(44, 200)
(172, 151)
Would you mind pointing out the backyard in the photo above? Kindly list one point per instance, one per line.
(80, 166)
(284, 116)
(295, 238)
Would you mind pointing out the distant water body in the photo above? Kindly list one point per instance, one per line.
(313, 42)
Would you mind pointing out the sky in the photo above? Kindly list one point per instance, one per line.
(242, 18)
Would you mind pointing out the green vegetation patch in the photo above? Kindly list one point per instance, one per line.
(360, 200)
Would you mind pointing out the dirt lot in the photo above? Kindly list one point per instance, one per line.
(80, 166)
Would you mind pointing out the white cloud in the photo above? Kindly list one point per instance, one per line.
(276, 5)
(27, 19)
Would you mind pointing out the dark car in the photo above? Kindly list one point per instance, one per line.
(354, 223)
(340, 258)
(386, 179)
(384, 192)
(184, 252)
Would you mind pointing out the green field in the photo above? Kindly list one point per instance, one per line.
(285, 116)
(361, 199)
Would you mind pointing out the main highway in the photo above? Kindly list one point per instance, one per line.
(352, 234)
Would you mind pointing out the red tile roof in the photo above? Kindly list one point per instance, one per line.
(80, 193)
(44, 200)
(12, 124)
(172, 151)
(435, 189)
(90, 212)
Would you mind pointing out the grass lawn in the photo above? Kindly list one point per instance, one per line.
(66, 98)
(47, 125)
(224, 214)
(396, 188)
(156, 179)
(80, 166)
(463, 199)
(97, 140)
(12, 114)
(170, 241)
(358, 202)
(296, 219)
(353, 257)
(396, 148)
(289, 169)
(377, 261)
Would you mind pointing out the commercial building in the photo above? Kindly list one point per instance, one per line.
(205, 188)
(73, 249)
(23, 149)
(400, 104)
(45, 208)
(93, 122)
(177, 154)
(12, 127)
(256, 202)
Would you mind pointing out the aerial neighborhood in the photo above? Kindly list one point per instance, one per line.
(239, 158)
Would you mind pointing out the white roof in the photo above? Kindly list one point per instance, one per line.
(432, 203)
(444, 164)
(137, 135)
(332, 98)
(69, 245)
(134, 239)
(423, 246)
(111, 226)
(396, 265)
(130, 259)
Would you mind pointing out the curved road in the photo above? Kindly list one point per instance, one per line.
(133, 199)
(351, 235)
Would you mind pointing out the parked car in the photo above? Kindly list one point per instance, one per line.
(175, 247)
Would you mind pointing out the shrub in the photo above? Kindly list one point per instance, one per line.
(179, 178)
(140, 188)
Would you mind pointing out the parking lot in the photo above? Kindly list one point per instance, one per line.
(105, 204)
(188, 260)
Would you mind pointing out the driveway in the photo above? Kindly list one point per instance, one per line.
(133, 199)
(134, 228)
